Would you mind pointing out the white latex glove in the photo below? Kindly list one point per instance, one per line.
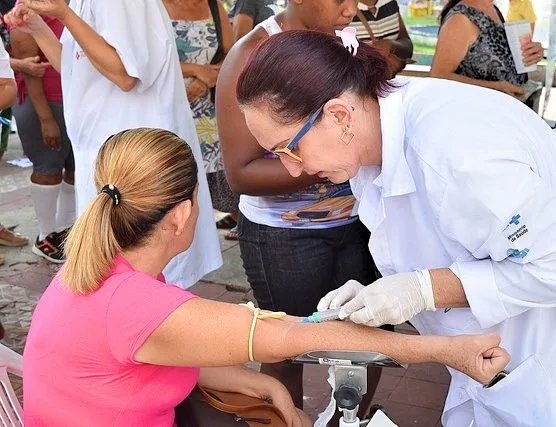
(391, 300)
(338, 297)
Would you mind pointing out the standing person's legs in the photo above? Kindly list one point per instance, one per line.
(46, 179)
(289, 270)
(66, 204)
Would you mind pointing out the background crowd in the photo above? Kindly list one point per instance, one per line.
(205, 31)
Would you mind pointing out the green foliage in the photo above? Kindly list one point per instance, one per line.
(420, 21)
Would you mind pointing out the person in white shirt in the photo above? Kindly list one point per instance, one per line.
(457, 185)
(120, 70)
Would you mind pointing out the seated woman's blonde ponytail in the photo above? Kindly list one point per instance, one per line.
(140, 175)
(90, 253)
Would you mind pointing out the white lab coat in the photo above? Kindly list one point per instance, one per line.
(468, 181)
(95, 108)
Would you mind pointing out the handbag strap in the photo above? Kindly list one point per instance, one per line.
(235, 409)
(215, 12)
(365, 23)
(499, 14)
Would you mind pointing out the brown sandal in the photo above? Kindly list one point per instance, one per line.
(11, 238)
(232, 234)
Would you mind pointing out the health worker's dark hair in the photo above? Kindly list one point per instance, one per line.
(296, 72)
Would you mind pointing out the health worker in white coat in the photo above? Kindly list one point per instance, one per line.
(120, 70)
(456, 183)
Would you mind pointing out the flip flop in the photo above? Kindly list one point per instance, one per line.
(226, 223)
(232, 234)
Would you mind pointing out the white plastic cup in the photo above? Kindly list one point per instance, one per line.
(518, 33)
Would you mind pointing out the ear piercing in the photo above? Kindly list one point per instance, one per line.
(347, 135)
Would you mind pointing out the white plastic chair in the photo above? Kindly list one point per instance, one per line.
(11, 413)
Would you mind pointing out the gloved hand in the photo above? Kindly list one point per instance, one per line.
(338, 297)
(390, 300)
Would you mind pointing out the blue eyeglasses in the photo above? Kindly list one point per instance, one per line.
(287, 150)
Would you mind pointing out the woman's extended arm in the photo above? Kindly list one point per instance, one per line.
(456, 35)
(227, 32)
(247, 171)
(29, 22)
(402, 46)
(239, 379)
(101, 54)
(220, 334)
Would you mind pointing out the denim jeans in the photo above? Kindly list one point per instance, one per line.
(292, 269)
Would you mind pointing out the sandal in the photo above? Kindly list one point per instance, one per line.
(232, 234)
(226, 223)
(11, 238)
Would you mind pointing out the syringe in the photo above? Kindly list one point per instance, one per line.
(322, 316)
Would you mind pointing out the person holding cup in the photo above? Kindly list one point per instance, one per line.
(473, 48)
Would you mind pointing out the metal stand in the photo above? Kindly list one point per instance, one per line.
(350, 372)
(351, 385)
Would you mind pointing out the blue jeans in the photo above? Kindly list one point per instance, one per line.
(292, 269)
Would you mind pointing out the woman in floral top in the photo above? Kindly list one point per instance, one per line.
(201, 49)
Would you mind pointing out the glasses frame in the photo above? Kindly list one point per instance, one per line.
(287, 150)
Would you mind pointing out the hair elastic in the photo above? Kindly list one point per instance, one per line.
(349, 39)
(113, 192)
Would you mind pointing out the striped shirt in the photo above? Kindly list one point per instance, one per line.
(384, 21)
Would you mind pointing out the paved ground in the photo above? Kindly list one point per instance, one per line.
(413, 397)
